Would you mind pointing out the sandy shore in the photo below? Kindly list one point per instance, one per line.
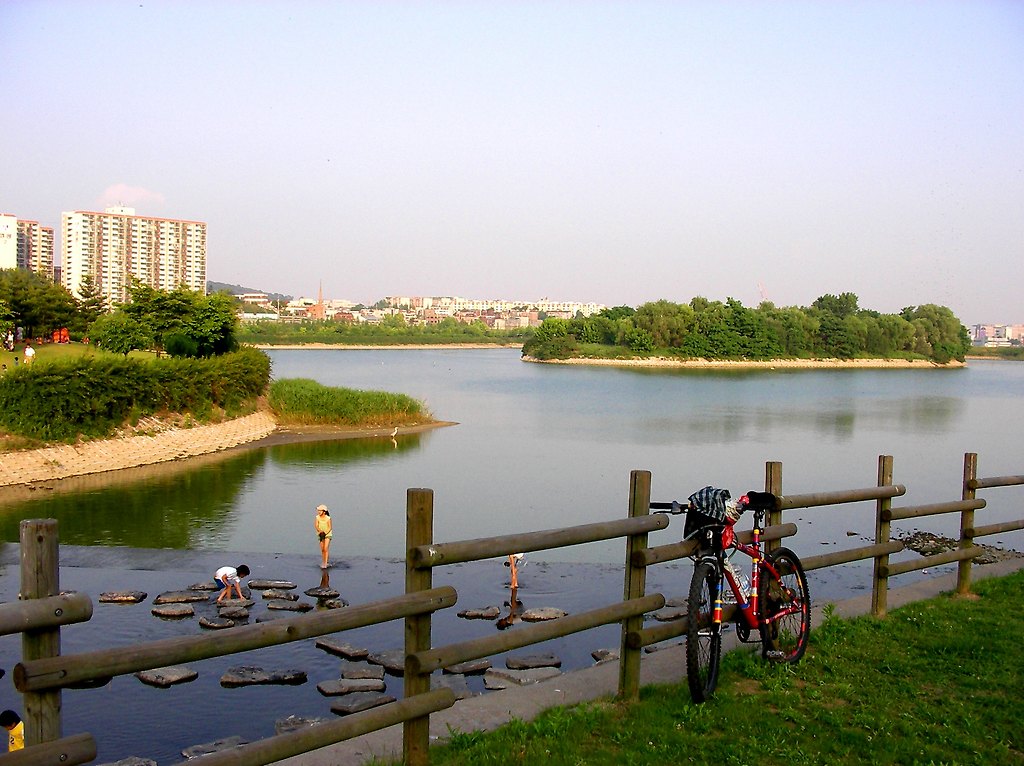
(774, 364)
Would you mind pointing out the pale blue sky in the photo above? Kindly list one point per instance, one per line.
(616, 152)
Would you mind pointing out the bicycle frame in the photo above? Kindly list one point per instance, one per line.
(746, 604)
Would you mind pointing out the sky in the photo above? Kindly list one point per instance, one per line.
(614, 152)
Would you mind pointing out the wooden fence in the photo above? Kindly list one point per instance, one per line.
(42, 610)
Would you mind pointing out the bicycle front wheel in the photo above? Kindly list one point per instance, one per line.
(785, 607)
(703, 637)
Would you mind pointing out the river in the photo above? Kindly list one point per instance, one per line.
(535, 447)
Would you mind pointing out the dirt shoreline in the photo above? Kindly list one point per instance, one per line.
(774, 364)
(164, 443)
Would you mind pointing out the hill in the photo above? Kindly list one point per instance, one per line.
(214, 287)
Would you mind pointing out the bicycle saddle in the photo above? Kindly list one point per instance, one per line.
(761, 501)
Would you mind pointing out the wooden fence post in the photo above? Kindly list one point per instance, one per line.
(636, 583)
(963, 570)
(40, 578)
(419, 530)
(880, 584)
(773, 484)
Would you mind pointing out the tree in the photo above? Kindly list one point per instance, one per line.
(36, 304)
(120, 333)
(92, 303)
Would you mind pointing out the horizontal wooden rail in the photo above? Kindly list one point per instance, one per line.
(659, 554)
(49, 612)
(995, 481)
(993, 529)
(655, 634)
(293, 743)
(426, 556)
(66, 670)
(841, 496)
(68, 751)
(443, 656)
(961, 554)
(915, 511)
(853, 554)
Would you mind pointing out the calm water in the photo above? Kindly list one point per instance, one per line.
(536, 447)
(540, 446)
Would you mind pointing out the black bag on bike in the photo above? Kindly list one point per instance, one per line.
(706, 509)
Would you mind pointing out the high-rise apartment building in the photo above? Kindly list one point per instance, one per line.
(116, 245)
(26, 245)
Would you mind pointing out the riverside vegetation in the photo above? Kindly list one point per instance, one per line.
(936, 682)
(833, 327)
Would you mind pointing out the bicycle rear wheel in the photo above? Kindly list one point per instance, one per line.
(703, 638)
(785, 607)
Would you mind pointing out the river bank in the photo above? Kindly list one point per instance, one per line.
(661, 361)
(154, 441)
(773, 364)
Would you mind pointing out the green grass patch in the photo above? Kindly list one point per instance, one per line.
(300, 401)
(937, 682)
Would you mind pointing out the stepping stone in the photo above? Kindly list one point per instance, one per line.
(525, 662)
(470, 668)
(180, 597)
(455, 681)
(131, 760)
(294, 723)
(169, 676)
(173, 610)
(341, 649)
(247, 675)
(487, 613)
(676, 601)
(271, 585)
(207, 585)
(668, 614)
(271, 616)
(393, 661)
(335, 603)
(234, 613)
(540, 614)
(349, 686)
(280, 595)
(122, 597)
(322, 594)
(244, 603)
(289, 606)
(496, 678)
(217, 623)
(213, 747)
(355, 703)
(361, 670)
(605, 655)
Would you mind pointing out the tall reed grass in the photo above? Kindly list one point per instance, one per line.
(300, 401)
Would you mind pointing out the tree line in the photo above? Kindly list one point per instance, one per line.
(180, 322)
(834, 326)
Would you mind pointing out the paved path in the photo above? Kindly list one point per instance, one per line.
(489, 711)
(65, 461)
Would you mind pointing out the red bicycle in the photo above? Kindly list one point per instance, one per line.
(777, 607)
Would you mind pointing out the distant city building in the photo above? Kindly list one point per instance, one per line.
(997, 334)
(449, 306)
(116, 245)
(26, 245)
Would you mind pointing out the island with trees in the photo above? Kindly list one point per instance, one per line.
(834, 327)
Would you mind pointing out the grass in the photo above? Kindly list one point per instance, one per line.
(300, 401)
(937, 682)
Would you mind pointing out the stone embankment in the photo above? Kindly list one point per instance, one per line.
(129, 451)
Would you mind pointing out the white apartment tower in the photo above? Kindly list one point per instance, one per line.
(26, 245)
(115, 245)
